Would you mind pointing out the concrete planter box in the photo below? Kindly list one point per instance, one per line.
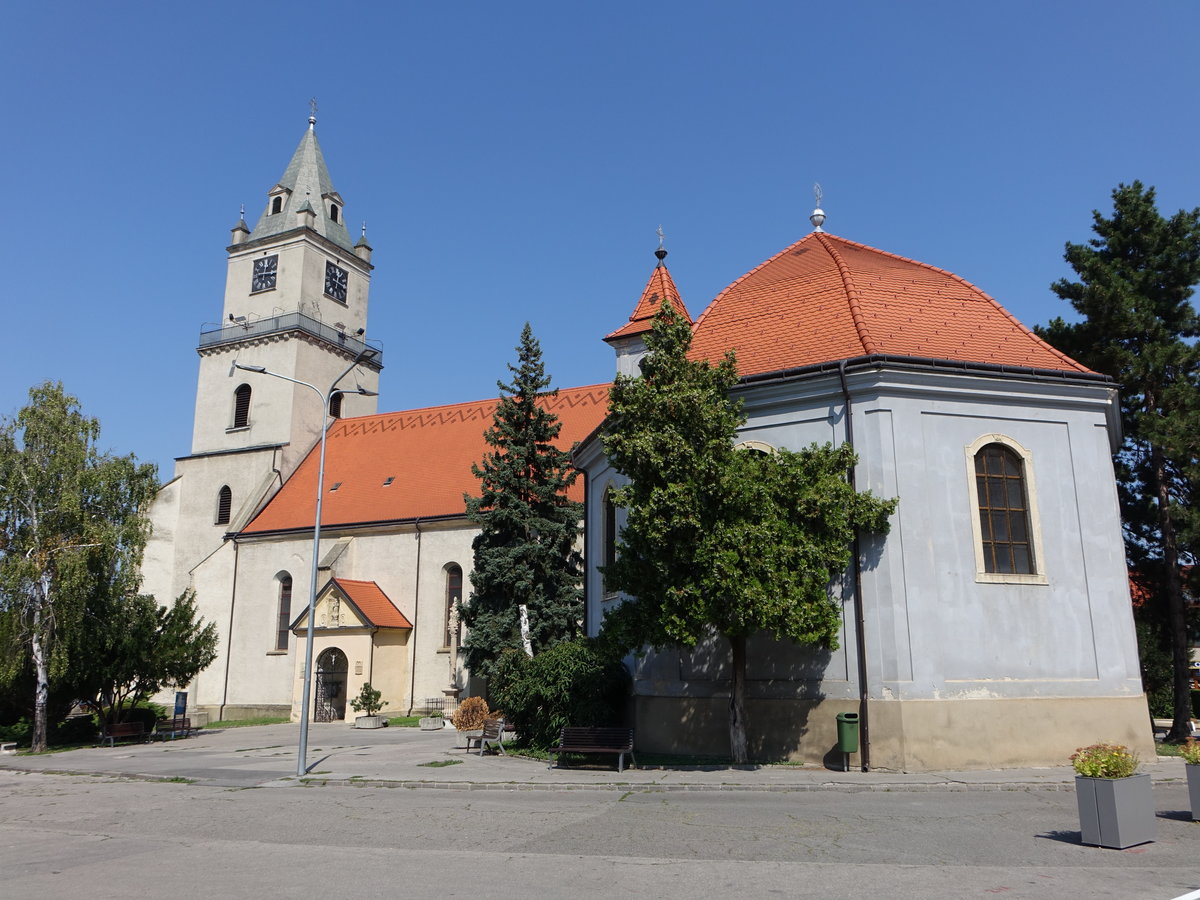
(1193, 778)
(1116, 812)
(368, 721)
(432, 723)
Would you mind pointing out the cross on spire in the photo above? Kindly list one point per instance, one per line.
(312, 111)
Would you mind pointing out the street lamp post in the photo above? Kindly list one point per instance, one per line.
(364, 354)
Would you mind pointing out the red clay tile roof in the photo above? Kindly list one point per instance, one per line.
(826, 298)
(373, 603)
(660, 287)
(426, 452)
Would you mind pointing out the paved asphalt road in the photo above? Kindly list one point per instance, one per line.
(104, 835)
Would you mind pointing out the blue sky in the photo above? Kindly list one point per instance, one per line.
(512, 162)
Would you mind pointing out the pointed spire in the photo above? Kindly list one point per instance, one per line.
(306, 179)
(659, 289)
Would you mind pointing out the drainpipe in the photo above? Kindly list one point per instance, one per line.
(860, 620)
(412, 666)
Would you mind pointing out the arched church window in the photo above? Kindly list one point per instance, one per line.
(241, 406)
(333, 211)
(224, 505)
(1004, 527)
(454, 586)
(335, 405)
(276, 205)
(609, 553)
(282, 630)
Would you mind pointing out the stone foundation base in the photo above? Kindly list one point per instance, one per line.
(237, 713)
(905, 735)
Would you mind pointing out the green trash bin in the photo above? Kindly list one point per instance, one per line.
(847, 726)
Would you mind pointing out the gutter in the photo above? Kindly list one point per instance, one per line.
(860, 623)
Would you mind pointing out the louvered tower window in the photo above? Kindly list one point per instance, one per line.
(224, 505)
(241, 406)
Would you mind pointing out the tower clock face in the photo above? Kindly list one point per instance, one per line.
(335, 281)
(265, 270)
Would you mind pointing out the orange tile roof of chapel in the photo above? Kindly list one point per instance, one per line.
(426, 454)
(826, 298)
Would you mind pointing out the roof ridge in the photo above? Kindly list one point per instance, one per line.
(852, 299)
(996, 303)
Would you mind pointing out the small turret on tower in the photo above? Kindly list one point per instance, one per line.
(629, 340)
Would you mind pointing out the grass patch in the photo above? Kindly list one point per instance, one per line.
(404, 721)
(439, 763)
(1169, 749)
(178, 779)
(243, 723)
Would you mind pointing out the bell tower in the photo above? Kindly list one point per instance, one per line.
(296, 296)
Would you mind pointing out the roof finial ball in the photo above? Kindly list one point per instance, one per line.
(818, 215)
(661, 252)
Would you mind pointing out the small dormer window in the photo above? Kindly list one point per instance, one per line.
(336, 485)
(333, 211)
(277, 205)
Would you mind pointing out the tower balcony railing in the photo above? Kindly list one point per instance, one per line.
(295, 321)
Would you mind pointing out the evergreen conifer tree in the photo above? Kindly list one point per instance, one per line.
(1136, 278)
(720, 540)
(526, 565)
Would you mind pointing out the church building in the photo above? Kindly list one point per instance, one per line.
(992, 627)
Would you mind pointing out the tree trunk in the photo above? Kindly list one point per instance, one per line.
(737, 700)
(41, 691)
(1176, 613)
(525, 641)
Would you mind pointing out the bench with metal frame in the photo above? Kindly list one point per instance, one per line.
(618, 741)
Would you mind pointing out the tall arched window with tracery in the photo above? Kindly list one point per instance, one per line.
(609, 535)
(454, 588)
(284, 617)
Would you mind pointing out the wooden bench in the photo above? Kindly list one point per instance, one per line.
(596, 740)
(123, 731)
(169, 728)
(492, 735)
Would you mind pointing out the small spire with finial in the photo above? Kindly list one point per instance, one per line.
(312, 113)
(818, 215)
(661, 252)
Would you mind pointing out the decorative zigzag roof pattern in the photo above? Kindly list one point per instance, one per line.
(825, 298)
(407, 465)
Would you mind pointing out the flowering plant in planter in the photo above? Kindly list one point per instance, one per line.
(1190, 751)
(1105, 761)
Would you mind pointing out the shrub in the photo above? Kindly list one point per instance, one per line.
(19, 732)
(75, 730)
(471, 714)
(1105, 761)
(368, 702)
(572, 683)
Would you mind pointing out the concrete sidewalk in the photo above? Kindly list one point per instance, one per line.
(266, 756)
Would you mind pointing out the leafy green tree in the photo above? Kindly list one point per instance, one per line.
(72, 527)
(136, 648)
(720, 539)
(527, 573)
(1136, 278)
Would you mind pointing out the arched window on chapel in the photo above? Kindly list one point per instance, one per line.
(454, 587)
(284, 619)
(1005, 520)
